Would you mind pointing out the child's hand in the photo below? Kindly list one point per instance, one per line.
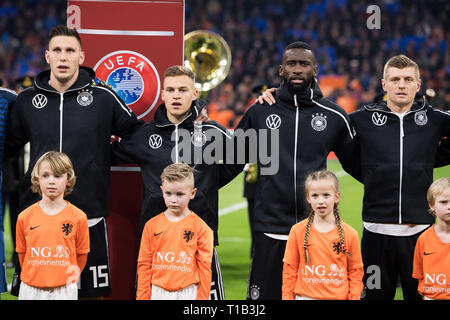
(74, 272)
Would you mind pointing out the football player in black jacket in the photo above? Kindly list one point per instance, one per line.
(398, 141)
(66, 111)
(173, 137)
(309, 127)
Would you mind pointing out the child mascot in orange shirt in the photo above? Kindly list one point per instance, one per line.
(322, 258)
(177, 245)
(431, 265)
(52, 235)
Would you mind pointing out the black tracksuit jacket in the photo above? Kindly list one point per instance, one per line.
(78, 122)
(160, 143)
(397, 157)
(309, 127)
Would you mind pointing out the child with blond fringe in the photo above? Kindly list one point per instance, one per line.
(432, 252)
(177, 245)
(52, 235)
(322, 258)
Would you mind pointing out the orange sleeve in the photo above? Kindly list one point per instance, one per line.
(21, 245)
(82, 240)
(144, 266)
(205, 246)
(291, 262)
(73, 271)
(81, 261)
(418, 262)
(355, 269)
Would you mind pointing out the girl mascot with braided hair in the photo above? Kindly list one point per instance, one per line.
(322, 260)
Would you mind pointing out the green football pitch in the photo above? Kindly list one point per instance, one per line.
(234, 230)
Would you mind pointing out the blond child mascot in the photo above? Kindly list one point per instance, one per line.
(52, 235)
(431, 265)
(177, 245)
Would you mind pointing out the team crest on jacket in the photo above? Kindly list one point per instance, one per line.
(39, 101)
(379, 119)
(254, 292)
(155, 141)
(319, 122)
(133, 77)
(273, 121)
(85, 98)
(198, 137)
(420, 118)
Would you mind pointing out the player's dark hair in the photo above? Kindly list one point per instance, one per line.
(298, 45)
(63, 30)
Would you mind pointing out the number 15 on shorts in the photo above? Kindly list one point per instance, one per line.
(100, 276)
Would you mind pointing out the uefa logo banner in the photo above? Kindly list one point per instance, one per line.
(133, 77)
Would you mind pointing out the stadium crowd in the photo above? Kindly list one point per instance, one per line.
(350, 55)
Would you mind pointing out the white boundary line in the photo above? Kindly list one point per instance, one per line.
(233, 208)
(341, 173)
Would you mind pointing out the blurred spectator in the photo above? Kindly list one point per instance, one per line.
(257, 31)
(24, 27)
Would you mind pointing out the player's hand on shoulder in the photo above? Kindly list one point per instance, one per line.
(267, 96)
(202, 117)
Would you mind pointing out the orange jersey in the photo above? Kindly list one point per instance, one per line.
(50, 244)
(331, 274)
(432, 266)
(174, 255)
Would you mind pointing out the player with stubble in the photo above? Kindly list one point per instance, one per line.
(309, 127)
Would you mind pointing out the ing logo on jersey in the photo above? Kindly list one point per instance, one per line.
(133, 77)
